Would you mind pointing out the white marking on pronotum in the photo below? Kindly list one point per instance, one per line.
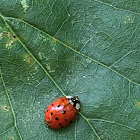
(77, 106)
(74, 101)
(24, 4)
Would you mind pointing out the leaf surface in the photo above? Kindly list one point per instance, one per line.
(50, 49)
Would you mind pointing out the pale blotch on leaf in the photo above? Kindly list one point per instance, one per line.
(125, 21)
(49, 68)
(128, 20)
(36, 68)
(28, 58)
(6, 108)
(41, 55)
(5, 34)
(9, 44)
(11, 39)
(1, 36)
(11, 138)
(137, 104)
(88, 60)
(73, 22)
(54, 49)
(25, 5)
(44, 38)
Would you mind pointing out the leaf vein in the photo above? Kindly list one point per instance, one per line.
(90, 125)
(113, 122)
(6, 130)
(116, 7)
(14, 115)
(99, 63)
(35, 58)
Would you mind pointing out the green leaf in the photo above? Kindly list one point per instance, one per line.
(50, 49)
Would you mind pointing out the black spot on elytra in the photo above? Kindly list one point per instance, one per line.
(52, 104)
(66, 119)
(58, 105)
(51, 113)
(60, 124)
(63, 100)
(47, 110)
(56, 118)
(63, 111)
(71, 121)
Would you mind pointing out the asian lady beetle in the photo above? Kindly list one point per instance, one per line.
(62, 112)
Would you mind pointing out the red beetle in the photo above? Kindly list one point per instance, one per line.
(62, 112)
